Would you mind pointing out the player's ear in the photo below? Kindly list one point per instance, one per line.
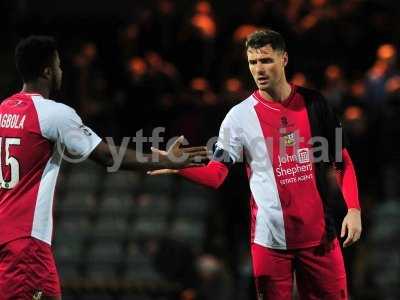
(47, 73)
(285, 58)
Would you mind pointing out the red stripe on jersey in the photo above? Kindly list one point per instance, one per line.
(282, 124)
(17, 205)
(253, 218)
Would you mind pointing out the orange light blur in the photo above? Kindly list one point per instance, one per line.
(203, 7)
(333, 72)
(243, 31)
(199, 84)
(299, 79)
(386, 52)
(353, 113)
(137, 66)
(205, 24)
(233, 85)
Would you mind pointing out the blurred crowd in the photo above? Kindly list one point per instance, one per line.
(182, 65)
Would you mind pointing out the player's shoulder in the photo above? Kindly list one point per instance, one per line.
(51, 108)
(309, 93)
(242, 107)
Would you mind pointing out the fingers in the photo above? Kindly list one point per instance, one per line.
(172, 171)
(162, 172)
(200, 154)
(178, 142)
(353, 236)
(194, 149)
(343, 231)
(349, 239)
(158, 151)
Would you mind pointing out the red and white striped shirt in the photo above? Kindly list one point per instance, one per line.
(274, 138)
(34, 132)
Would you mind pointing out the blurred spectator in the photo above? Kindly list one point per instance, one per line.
(197, 41)
(232, 92)
(198, 127)
(335, 86)
(356, 94)
(300, 79)
(137, 87)
(203, 20)
(91, 87)
(382, 70)
(167, 23)
(318, 11)
(391, 128)
(128, 41)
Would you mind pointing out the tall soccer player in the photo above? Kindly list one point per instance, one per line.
(286, 135)
(34, 133)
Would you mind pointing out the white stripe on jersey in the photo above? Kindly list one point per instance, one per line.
(42, 227)
(57, 121)
(243, 125)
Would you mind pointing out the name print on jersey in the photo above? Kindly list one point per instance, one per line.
(12, 121)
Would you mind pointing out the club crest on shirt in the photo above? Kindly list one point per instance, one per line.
(289, 138)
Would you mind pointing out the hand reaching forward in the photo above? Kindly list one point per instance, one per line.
(177, 157)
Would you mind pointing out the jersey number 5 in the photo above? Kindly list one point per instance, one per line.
(10, 161)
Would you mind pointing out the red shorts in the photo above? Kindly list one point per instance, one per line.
(27, 268)
(320, 273)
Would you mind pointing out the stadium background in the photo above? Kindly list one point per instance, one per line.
(131, 65)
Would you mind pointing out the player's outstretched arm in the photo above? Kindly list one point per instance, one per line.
(212, 175)
(229, 149)
(174, 158)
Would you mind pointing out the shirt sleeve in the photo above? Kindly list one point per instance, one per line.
(230, 138)
(347, 181)
(62, 125)
(212, 175)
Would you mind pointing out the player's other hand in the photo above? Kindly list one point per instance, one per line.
(352, 226)
(177, 157)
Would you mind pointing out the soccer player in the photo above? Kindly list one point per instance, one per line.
(286, 135)
(34, 133)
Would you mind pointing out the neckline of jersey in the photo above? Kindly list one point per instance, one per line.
(276, 105)
(29, 94)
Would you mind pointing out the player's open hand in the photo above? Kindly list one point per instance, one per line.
(352, 225)
(177, 157)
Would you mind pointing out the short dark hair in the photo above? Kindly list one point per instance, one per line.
(261, 38)
(33, 54)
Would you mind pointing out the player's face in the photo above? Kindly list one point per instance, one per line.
(267, 66)
(57, 73)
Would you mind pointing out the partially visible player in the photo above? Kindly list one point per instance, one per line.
(292, 200)
(34, 133)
